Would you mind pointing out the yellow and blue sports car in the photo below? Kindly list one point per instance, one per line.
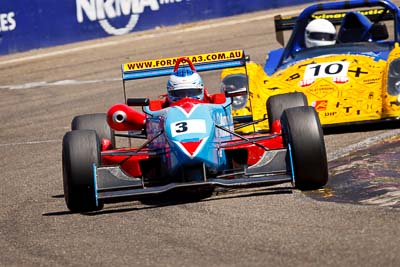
(356, 80)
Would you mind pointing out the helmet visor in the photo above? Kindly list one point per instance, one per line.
(321, 36)
(182, 93)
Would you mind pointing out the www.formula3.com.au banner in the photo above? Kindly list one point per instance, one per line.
(26, 25)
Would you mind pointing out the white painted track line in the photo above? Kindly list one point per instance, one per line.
(362, 144)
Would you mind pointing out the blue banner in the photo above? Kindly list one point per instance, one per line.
(26, 25)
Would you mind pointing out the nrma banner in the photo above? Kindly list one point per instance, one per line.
(29, 24)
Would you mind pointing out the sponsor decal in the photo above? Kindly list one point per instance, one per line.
(7, 22)
(320, 105)
(293, 77)
(170, 62)
(372, 80)
(103, 11)
(330, 114)
(348, 109)
(341, 15)
(321, 92)
(306, 82)
(357, 72)
(340, 80)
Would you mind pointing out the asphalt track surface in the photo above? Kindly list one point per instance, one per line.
(42, 90)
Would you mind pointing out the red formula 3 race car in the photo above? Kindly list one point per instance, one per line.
(190, 144)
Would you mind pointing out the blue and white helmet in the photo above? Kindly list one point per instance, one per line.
(185, 83)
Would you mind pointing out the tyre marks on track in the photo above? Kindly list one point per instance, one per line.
(368, 176)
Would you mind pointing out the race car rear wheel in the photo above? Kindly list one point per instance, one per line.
(97, 122)
(303, 135)
(278, 103)
(80, 156)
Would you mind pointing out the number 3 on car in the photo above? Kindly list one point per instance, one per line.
(188, 127)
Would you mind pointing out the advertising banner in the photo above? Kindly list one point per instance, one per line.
(26, 25)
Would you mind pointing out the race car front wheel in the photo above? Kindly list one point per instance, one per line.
(80, 156)
(97, 122)
(303, 136)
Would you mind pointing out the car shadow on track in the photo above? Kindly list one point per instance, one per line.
(173, 200)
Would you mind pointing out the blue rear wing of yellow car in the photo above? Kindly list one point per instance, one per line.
(165, 66)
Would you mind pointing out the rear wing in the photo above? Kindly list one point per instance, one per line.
(165, 66)
(288, 22)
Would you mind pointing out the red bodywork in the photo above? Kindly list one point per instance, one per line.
(135, 121)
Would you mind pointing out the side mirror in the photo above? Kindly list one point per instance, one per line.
(138, 102)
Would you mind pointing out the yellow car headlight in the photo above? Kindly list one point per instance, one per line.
(393, 85)
(233, 83)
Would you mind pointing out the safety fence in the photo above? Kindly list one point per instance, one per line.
(26, 25)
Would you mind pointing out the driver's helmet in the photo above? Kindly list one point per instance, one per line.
(320, 32)
(185, 83)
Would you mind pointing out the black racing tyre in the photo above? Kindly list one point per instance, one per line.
(278, 103)
(303, 135)
(80, 152)
(97, 122)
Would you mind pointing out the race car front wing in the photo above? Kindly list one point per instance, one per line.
(113, 185)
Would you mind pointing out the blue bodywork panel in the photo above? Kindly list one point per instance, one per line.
(189, 134)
